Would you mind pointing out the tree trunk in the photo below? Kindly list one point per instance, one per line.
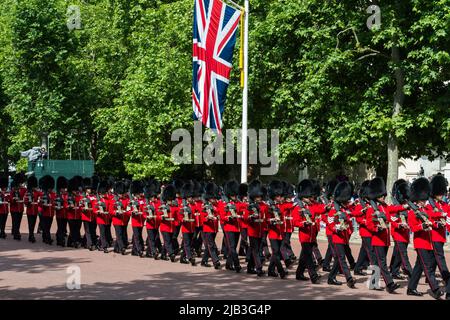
(399, 97)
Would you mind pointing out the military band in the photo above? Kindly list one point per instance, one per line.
(254, 219)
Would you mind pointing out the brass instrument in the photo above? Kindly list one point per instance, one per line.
(255, 215)
(151, 212)
(403, 219)
(209, 210)
(342, 219)
(381, 219)
(167, 214)
(231, 208)
(58, 203)
(186, 212)
(134, 207)
(276, 214)
(422, 216)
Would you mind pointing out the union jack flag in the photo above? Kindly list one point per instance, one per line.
(215, 25)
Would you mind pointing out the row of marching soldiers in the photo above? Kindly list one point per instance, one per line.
(248, 215)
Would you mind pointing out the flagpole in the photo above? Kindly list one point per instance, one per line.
(244, 156)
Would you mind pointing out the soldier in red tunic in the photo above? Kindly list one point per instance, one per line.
(31, 203)
(210, 216)
(187, 220)
(61, 211)
(153, 221)
(74, 212)
(47, 207)
(16, 204)
(4, 204)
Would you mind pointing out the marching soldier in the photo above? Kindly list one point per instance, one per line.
(74, 212)
(275, 222)
(168, 213)
(61, 211)
(47, 207)
(4, 204)
(378, 216)
(16, 205)
(197, 240)
(176, 246)
(366, 253)
(137, 206)
(103, 214)
(400, 232)
(287, 209)
(421, 226)
(317, 256)
(153, 220)
(186, 217)
(437, 210)
(88, 215)
(210, 217)
(306, 213)
(264, 251)
(243, 201)
(327, 198)
(119, 216)
(31, 203)
(230, 216)
(254, 214)
(340, 227)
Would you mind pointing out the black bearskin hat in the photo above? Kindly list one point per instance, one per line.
(152, 188)
(211, 191)
(396, 184)
(46, 183)
(377, 188)
(420, 190)
(243, 190)
(329, 189)
(316, 188)
(187, 190)
(402, 192)
(119, 187)
(4, 181)
(438, 185)
(288, 189)
(32, 183)
(275, 189)
(169, 193)
(95, 182)
(343, 192)
(255, 189)
(61, 183)
(18, 179)
(103, 186)
(265, 192)
(178, 185)
(305, 189)
(231, 188)
(198, 189)
(73, 184)
(364, 189)
(136, 187)
(87, 183)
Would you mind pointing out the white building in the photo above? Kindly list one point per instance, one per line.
(409, 169)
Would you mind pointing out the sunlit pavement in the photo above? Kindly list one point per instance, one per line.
(40, 271)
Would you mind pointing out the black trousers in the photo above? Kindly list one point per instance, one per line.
(75, 231)
(119, 245)
(329, 254)
(366, 254)
(243, 245)
(231, 241)
(264, 249)
(286, 247)
(61, 230)
(3, 218)
(349, 255)
(90, 233)
(31, 224)
(438, 250)
(306, 260)
(16, 220)
(175, 244)
(46, 223)
(104, 244)
(197, 240)
(109, 236)
(187, 245)
(400, 259)
(254, 261)
(152, 241)
(138, 240)
(275, 259)
(339, 262)
(209, 239)
(424, 263)
(125, 235)
(316, 252)
(168, 243)
(380, 261)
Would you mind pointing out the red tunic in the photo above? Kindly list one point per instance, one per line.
(210, 225)
(257, 225)
(31, 202)
(187, 226)
(89, 213)
(47, 204)
(438, 234)
(229, 224)
(333, 224)
(16, 199)
(422, 238)
(169, 225)
(4, 202)
(153, 223)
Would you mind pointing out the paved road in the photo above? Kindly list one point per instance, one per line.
(39, 271)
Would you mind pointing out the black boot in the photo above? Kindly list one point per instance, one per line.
(414, 292)
(392, 287)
